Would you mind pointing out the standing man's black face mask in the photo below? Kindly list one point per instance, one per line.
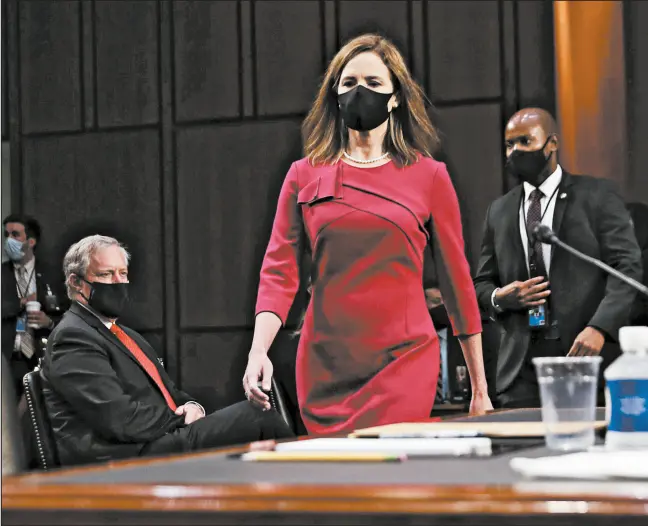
(109, 299)
(363, 109)
(530, 167)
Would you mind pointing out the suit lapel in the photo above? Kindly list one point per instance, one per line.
(8, 278)
(561, 205)
(512, 219)
(96, 323)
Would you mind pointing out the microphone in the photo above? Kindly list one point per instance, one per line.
(545, 235)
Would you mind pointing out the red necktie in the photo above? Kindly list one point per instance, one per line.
(144, 361)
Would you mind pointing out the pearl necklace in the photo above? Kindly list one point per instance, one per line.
(366, 161)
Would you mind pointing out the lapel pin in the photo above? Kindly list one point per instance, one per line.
(563, 195)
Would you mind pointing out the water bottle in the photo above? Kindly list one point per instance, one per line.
(626, 392)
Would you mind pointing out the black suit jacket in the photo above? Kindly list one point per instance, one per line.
(11, 307)
(590, 216)
(102, 404)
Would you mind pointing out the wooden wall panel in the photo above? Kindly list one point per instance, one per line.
(473, 145)
(212, 366)
(636, 21)
(207, 77)
(50, 66)
(105, 183)
(213, 363)
(535, 54)
(194, 197)
(289, 55)
(127, 62)
(388, 18)
(464, 50)
(4, 85)
(229, 178)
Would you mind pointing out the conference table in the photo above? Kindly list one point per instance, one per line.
(216, 487)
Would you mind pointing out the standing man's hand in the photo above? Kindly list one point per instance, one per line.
(588, 343)
(523, 294)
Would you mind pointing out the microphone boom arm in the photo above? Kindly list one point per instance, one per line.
(632, 282)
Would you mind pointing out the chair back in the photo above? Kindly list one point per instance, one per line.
(13, 452)
(43, 436)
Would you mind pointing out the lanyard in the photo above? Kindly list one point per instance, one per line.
(23, 293)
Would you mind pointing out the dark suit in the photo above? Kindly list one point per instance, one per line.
(103, 405)
(12, 309)
(590, 216)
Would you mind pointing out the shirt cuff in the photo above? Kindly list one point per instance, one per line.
(497, 308)
(198, 405)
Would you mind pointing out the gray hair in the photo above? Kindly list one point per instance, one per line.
(78, 257)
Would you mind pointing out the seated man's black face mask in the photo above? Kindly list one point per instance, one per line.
(108, 299)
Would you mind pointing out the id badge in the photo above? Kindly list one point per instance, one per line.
(537, 317)
(20, 324)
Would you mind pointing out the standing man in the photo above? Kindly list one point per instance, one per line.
(548, 302)
(24, 279)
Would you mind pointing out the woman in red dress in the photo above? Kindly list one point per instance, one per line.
(367, 198)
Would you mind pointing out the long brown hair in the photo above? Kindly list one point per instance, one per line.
(410, 132)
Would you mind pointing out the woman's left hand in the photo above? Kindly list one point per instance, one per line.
(480, 404)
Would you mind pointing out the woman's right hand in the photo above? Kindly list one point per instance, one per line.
(259, 367)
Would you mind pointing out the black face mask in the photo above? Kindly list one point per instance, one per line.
(529, 166)
(109, 299)
(363, 109)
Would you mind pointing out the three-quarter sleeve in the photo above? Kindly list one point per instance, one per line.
(453, 270)
(280, 270)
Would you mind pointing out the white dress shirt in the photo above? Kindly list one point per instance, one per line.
(547, 208)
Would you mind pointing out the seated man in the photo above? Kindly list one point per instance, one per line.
(105, 391)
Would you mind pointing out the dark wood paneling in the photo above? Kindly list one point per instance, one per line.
(207, 60)
(637, 49)
(212, 366)
(388, 18)
(288, 55)
(473, 145)
(88, 65)
(536, 54)
(50, 66)
(127, 62)
(105, 183)
(229, 177)
(464, 50)
(4, 85)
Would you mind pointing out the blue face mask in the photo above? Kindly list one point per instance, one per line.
(14, 249)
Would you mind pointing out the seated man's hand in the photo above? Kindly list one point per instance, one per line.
(191, 412)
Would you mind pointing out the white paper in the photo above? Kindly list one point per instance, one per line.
(404, 446)
(597, 464)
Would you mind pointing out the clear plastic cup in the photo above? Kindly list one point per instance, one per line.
(568, 396)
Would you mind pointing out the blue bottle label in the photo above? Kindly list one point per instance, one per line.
(629, 405)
